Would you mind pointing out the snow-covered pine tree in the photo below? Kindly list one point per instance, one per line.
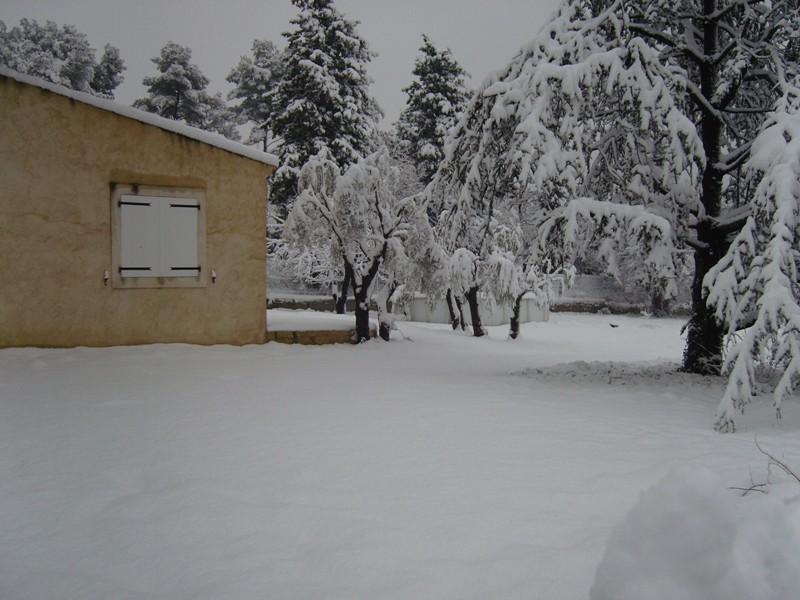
(359, 213)
(625, 102)
(178, 92)
(5, 49)
(61, 55)
(436, 98)
(108, 72)
(323, 99)
(756, 286)
(255, 79)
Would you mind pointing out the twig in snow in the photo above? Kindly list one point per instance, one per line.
(780, 464)
(756, 487)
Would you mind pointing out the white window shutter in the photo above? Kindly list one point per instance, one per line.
(139, 235)
(179, 237)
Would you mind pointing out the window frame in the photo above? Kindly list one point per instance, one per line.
(119, 281)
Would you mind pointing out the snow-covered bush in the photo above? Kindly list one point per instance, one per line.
(690, 538)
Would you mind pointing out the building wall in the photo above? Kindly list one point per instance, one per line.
(58, 161)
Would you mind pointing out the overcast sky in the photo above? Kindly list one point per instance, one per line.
(483, 34)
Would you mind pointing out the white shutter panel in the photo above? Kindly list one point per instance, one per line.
(179, 237)
(139, 237)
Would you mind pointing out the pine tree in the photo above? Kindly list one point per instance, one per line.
(435, 101)
(5, 46)
(323, 98)
(108, 72)
(256, 77)
(179, 93)
(61, 55)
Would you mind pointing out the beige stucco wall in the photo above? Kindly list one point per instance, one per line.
(58, 160)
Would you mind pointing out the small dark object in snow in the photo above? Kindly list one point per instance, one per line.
(613, 325)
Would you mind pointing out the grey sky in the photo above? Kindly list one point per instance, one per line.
(483, 34)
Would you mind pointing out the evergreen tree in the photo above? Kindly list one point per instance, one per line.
(5, 49)
(323, 98)
(61, 55)
(435, 101)
(108, 72)
(256, 79)
(179, 93)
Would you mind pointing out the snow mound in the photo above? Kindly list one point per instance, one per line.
(282, 319)
(621, 373)
(691, 538)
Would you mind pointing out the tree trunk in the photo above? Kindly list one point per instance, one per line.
(460, 309)
(472, 301)
(361, 294)
(705, 335)
(659, 306)
(514, 330)
(385, 316)
(341, 303)
(455, 320)
(362, 315)
(704, 341)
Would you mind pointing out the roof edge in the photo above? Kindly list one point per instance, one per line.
(206, 137)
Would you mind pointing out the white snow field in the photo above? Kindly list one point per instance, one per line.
(435, 466)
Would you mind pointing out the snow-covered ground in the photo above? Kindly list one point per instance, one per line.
(435, 466)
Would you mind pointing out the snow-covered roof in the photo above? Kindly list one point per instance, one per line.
(212, 139)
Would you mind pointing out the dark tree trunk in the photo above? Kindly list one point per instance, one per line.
(341, 302)
(460, 309)
(384, 312)
(705, 335)
(455, 320)
(659, 306)
(362, 315)
(704, 341)
(472, 301)
(514, 329)
(361, 295)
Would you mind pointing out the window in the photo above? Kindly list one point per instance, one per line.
(158, 237)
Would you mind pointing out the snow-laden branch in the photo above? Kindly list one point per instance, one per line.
(759, 274)
(361, 216)
(613, 227)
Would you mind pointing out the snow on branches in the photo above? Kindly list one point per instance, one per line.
(61, 55)
(755, 287)
(322, 100)
(578, 113)
(654, 106)
(610, 229)
(359, 214)
(585, 110)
